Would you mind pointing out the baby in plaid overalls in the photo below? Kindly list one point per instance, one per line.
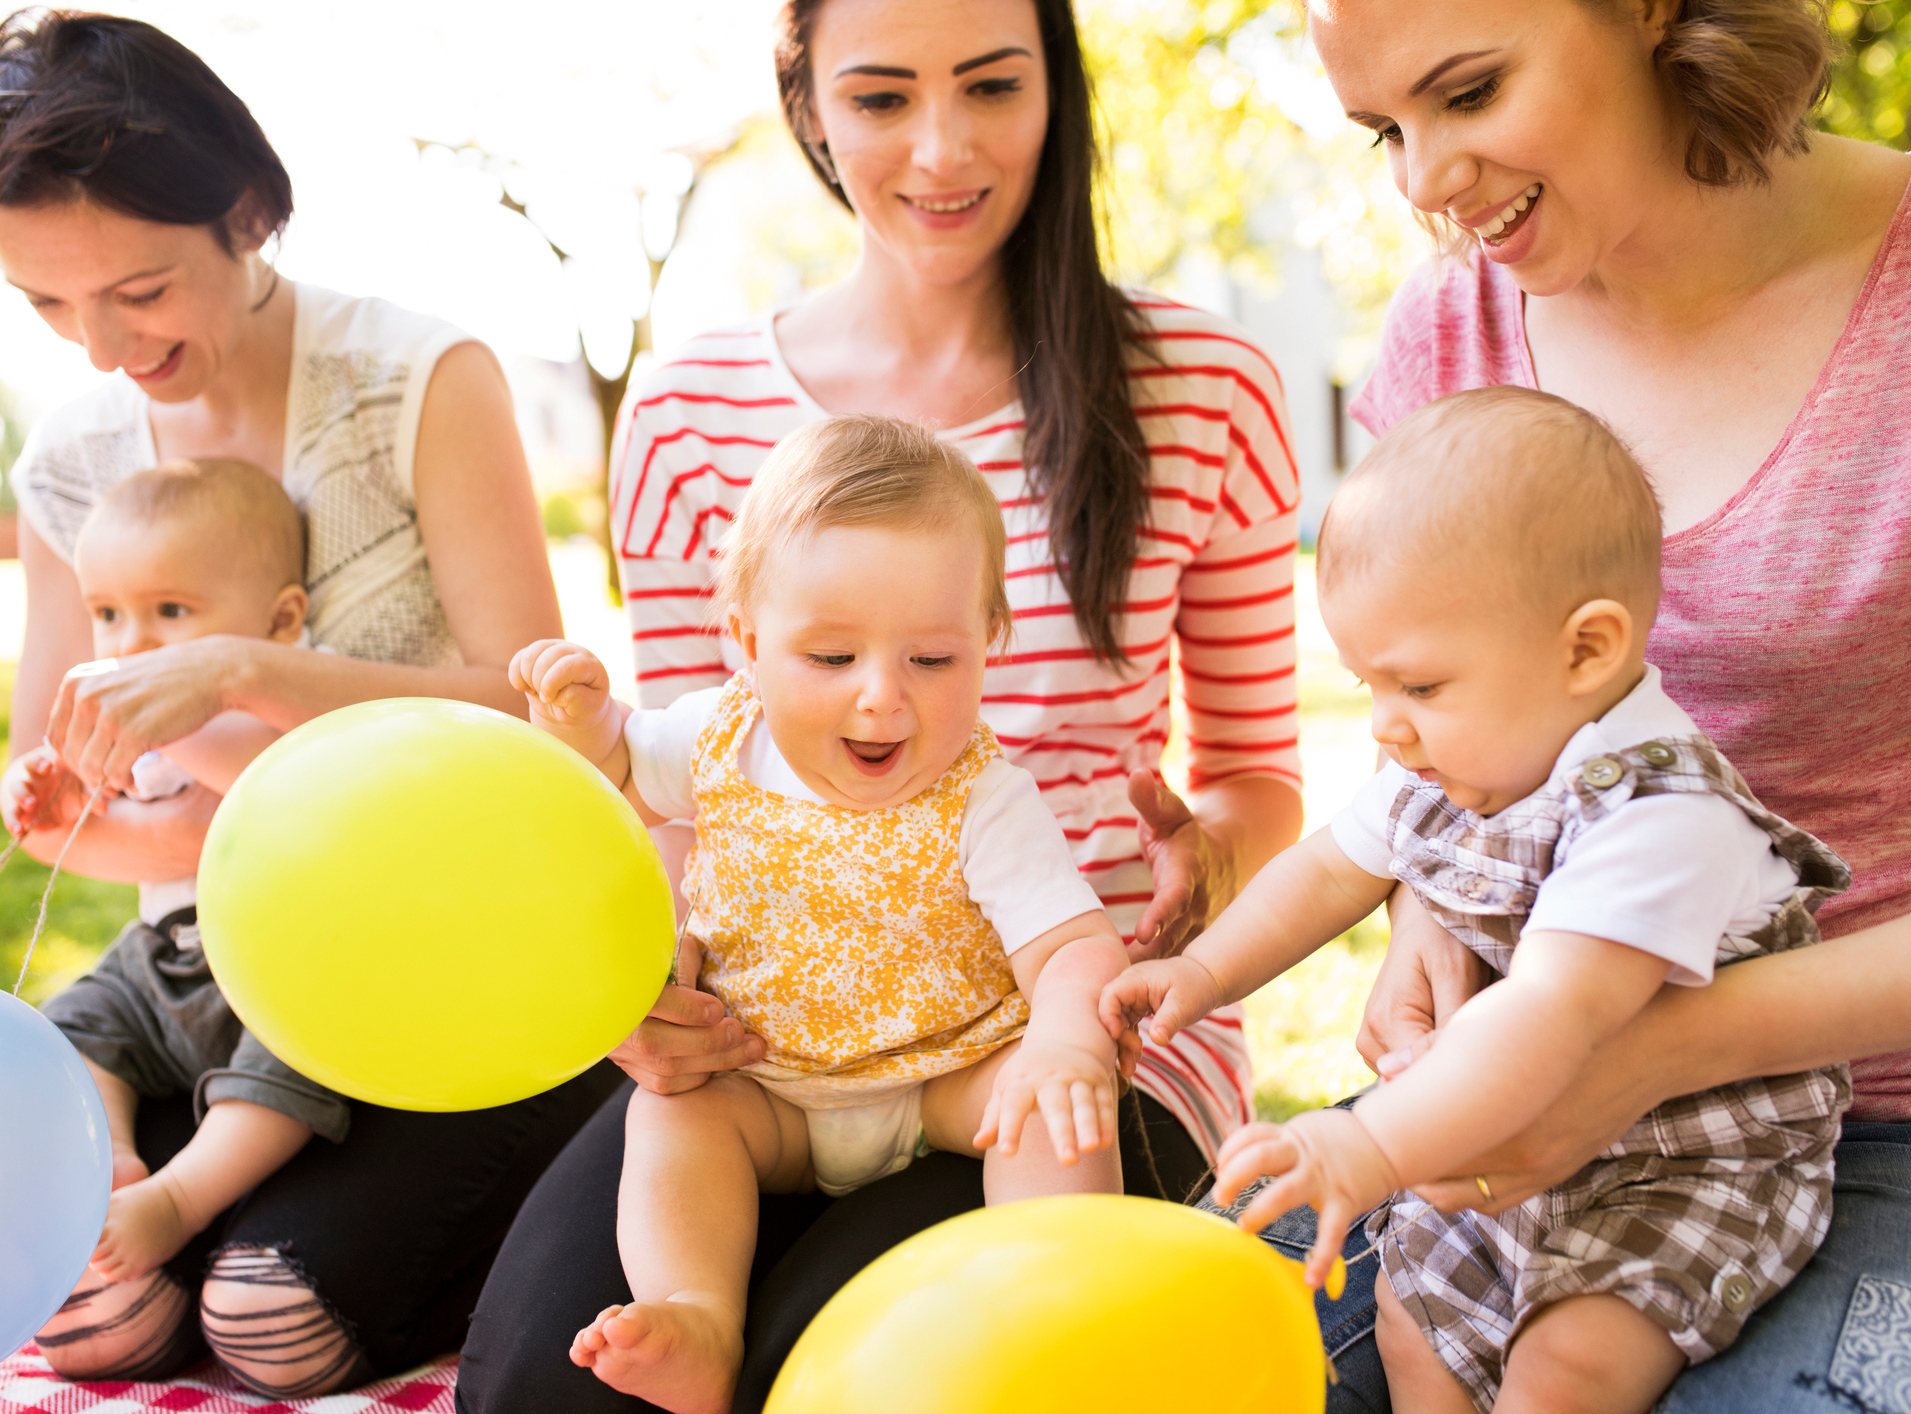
(1492, 571)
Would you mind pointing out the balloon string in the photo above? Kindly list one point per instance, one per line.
(46, 896)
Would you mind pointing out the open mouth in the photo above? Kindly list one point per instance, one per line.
(161, 369)
(1511, 217)
(873, 756)
(950, 206)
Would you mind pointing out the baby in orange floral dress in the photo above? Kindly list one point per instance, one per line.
(874, 890)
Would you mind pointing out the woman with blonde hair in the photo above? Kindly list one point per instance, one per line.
(1639, 220)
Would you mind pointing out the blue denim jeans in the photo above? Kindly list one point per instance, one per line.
(1838, 1338)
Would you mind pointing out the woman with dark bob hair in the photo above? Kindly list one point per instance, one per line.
(1639, 220)
(136, 196)
(1139, 452)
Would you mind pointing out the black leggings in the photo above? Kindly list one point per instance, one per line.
(559, 1267)
(396, 1227)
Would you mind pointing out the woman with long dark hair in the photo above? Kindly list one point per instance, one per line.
(137, 195)
(1139, 451)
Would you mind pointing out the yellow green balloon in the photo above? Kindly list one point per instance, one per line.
(1072, 1305)
(433, 906)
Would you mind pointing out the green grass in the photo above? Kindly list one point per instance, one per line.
(1300, 1027)
(83, 916)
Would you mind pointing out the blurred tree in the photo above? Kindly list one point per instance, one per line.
(1195, 146)
(1226, 143)
(660, 213)
(1871, 87)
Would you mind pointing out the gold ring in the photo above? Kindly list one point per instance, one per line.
(1479, 1180)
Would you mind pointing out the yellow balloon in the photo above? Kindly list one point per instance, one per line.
(433, 906)
(1063, 1305)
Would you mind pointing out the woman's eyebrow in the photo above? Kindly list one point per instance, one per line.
(989, 58)
(123, 280)
(881, 71)
(1443, 66)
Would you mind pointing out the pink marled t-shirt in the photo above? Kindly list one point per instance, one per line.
(1785, 627)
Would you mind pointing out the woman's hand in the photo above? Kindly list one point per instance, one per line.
(107, 715)
(1600, 1105)
(1202, 856)
(687, 1038)
(1427, 975)
(1184, 861)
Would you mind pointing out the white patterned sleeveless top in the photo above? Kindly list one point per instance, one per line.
(360, 368)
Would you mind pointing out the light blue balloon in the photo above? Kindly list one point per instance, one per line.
(56, 1169)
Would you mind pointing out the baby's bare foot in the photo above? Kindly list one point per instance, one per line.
(143, 1230)
(128, 1167)
(682, 1354)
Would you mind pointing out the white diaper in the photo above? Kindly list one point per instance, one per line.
(859, 1144)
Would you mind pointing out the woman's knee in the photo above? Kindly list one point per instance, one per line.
(267, 1324)
(135, 1329)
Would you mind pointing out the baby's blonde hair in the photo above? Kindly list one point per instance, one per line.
(1504, 480)
(266, 532)
(859, 470)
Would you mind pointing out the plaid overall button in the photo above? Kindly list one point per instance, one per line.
(1602, 771)
(1736, 1292)
(1658, 753)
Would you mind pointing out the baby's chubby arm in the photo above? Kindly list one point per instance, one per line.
(1306, 896)
(1065, 1065)
(1505, 1057)
(216, 753)
(1508, 1055)
(568, 689)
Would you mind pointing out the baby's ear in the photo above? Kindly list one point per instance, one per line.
(288, 614)
(1599, 638)
(743, 631)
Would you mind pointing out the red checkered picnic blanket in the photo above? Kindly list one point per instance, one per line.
(29, 1386)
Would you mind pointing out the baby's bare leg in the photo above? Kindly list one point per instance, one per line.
(1592, 1353)
(952, 1107)
(1417, 1381)
(686, 1230)
(236, 1146)
(122, 1110)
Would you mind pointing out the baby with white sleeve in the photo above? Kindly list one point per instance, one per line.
(865, 1119)
(1491, 571)
(874, 891)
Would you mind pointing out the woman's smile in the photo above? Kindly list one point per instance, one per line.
(162, 370)
(1498, 228)
(946, 211)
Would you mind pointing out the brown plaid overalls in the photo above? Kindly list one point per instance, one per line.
(1705, 1208)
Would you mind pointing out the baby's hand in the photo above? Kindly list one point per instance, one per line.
(1324, 1159)
(38, 792)
(567, 686)
(1072, 1086)
(1173, 991)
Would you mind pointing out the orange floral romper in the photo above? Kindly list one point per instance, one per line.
(845, 938)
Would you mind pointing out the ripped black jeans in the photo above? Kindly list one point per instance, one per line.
(354, 1261)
